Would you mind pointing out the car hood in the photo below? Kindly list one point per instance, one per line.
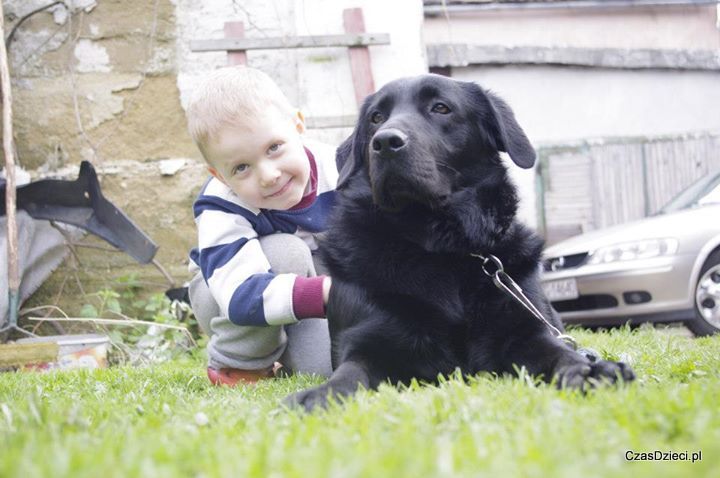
(677, 225)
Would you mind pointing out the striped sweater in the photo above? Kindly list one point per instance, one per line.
(232, 262)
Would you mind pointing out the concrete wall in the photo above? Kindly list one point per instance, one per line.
(690, 27)
(556, 104)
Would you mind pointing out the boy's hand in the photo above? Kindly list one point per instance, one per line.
(327, 283)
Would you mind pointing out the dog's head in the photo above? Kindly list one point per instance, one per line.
(419, 139)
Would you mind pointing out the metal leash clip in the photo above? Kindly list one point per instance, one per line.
(505, 283)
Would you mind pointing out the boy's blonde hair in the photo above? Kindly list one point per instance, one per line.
(230, 96)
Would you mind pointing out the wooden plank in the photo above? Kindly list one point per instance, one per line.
(673, 164)
(321, 122)
(235, 31)
(463, 54)
(30, 353)
(445, 9)
(13, 270)
(360, 65)
(568, 202)
(276, 43)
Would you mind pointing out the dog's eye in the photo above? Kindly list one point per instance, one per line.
(377, 117)
(441, 108)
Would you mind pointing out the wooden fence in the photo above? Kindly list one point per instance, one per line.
(597, 184)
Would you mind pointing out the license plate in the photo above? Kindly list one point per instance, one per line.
(564, 289)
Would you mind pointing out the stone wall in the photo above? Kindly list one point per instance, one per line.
(98, 82)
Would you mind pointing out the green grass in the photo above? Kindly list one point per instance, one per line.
(168, 421)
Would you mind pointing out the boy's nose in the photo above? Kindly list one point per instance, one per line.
(269, 176)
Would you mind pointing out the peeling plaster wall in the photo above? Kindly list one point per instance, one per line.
(80, 79)
(317, 80)
(100, 84)
(91, 57)
(205, 20)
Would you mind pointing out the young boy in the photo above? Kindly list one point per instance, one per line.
(256, 291)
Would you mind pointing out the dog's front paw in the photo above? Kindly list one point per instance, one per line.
(582, 376)
(309, 399)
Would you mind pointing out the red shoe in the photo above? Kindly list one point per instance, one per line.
(231, 376)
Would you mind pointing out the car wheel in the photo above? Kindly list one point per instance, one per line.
(707, 298)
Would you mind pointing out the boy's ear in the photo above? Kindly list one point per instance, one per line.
(217, 175)
(300, 122)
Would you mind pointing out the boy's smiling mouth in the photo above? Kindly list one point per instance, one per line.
(282, 189)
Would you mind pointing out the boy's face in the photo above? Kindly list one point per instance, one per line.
(263, 161)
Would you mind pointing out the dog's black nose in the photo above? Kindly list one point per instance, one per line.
(389, 141)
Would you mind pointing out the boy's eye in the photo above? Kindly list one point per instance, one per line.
(274, 147)
(240, 168)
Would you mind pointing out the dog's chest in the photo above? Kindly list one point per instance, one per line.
(432, 352)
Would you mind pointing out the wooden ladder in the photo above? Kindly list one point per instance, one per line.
(355, 39)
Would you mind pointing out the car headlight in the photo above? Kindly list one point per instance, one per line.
(631, 251)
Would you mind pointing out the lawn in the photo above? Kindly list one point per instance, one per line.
(167, 420)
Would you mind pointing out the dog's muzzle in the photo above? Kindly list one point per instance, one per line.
(389, 143)
(389, 150)
(398, 177)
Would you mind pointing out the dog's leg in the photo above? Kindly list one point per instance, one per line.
(545, 355)
(344, 382)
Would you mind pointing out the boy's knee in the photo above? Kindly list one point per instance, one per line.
(202, 302)
(288, 254)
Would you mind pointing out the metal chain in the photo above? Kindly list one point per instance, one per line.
(493, 268)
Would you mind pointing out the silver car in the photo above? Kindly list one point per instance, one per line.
(663, 268)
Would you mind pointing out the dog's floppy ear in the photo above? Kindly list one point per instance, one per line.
(349, 155)
(508, 134)
(345, 162)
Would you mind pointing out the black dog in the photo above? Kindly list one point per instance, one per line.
(422, 188)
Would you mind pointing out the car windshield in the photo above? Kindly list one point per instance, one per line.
(700, 193)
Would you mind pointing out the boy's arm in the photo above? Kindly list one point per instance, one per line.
(240, 279)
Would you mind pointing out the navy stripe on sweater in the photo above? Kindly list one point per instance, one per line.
(313, 218)
(214, 203)
(213, 258)
(246, 306)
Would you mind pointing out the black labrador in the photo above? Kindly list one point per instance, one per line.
(421, 188)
